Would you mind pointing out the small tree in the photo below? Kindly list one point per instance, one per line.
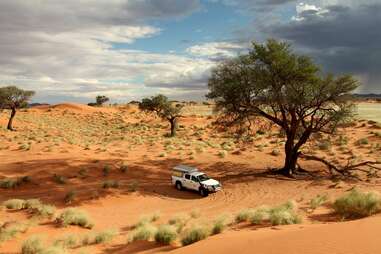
(12, 97)
(164, 109)
(286, 89)
(101, 99)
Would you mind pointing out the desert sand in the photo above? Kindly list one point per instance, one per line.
(77, 142)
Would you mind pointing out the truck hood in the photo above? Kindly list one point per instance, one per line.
(210, 182)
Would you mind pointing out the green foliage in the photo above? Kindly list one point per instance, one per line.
(259, 215)
(271, 79)
(70, 197)
(357, 204)
(362, 141)
(32, 245)
(59, 179)
(284, 214)
(106, 170)
(16, 204)
(194, 234)
(144, 232)
(73, 216)
(244, 215)
(317, 201)
(164, 109)
(101, 99)
(219, 225)
(165, 234)
(110, 184)
(105, 236)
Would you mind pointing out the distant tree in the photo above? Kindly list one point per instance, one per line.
(285, 88)
(164, 109)
(101, 99)
(12, 97)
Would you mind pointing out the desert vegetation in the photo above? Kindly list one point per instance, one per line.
(86, 175)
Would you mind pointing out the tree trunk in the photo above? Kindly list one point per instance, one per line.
(173, 126)
(13, 113)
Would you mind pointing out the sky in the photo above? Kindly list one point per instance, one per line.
(74, 50)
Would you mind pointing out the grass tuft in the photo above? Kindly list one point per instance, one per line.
(357, 204)
(194, 234)
(73, 216)
(165, 234)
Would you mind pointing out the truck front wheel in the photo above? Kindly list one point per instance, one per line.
(203, 192)
(179, 186)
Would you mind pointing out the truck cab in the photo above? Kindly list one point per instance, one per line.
(186, 177)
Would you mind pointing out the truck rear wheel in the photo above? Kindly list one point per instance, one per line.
(203, 192)
(179, 186)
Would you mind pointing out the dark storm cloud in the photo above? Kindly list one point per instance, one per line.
(343, 39)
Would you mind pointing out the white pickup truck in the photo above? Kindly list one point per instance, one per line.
(185, 177)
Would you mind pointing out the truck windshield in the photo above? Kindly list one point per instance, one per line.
(203, 177)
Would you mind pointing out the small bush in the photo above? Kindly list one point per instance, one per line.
(165, 234)
(219, 225)
(357, 204)
(325, 145)
(145, 232)
(9, 230)
(275, 152)
(110, 184)
(73, 216)
(70, 197)
(259, 215)
(284, 214)
(105, 236)
(59, 179)
(362, 141)
(123, 168)
(9, 183)
(319, 200)
(68, 241)
(194, 235)
(32, 245)
(222, 154)
(16, 204)
(244, 215)
(133, 186)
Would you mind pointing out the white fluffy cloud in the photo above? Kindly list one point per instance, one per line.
(64, 49)
(215, 50)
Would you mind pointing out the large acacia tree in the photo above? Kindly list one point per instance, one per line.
(12, 97)
(164, 109)
(288, 89)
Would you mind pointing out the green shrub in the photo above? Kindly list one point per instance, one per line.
(73, 216)
(325, 145)
(9, 183)
(105, 236)
(70, 197)
(165, 234)
(275, 152)
(59, 179)
(10, 229)
(193, 235)
(68, 241)
(284, 214)
(219, 225)
(124, 168)
(317, 201)
(110, 184)
(259, 215)
(244, 215)
(32, 245)
(16, 204)
(362, 141)
(133, 186)
(357, 204)
(145, 232)
(222, 154)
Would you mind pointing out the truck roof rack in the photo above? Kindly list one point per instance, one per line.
(185, 168)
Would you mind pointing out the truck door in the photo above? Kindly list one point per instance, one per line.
(195, 183)
(187, 181)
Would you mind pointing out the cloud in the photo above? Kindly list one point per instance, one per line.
(216, 50)
(343, 36)
(64, 49)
